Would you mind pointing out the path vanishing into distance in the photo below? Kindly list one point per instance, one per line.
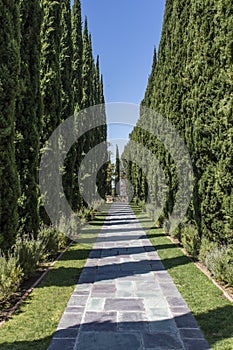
(125, 299)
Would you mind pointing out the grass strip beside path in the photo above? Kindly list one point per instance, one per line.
(213, 312)
(33, 324)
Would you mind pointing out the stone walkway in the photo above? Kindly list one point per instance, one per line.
(125, 299)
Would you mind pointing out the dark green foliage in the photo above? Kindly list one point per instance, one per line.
(77, 41)
(9, 76)
(44, 78)
(109, 176)
(28, 115)
(77, 54)
(191, 85)
(50, 66)
(87, 69)
(50, 83)
(117, 173)
(67, 105)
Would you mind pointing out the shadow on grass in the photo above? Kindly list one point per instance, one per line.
(110, 334)
(89, 274)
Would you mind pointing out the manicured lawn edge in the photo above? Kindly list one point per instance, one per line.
(213, 312)
(33, 324)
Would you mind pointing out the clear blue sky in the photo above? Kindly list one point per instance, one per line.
(124, 33)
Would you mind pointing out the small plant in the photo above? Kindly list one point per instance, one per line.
(29, 252)
(149, 208)
(190, 240)
(205, 248)
(10, 277)
(161, 221)
(220, 263)
(53, 239)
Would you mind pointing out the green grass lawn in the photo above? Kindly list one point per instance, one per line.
(33, 325)
(212, 311)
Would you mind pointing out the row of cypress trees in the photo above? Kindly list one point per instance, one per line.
(191, 85)
(47, 72)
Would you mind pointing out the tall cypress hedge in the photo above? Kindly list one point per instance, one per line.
(9, 83)
(28, 115)
(191, 85)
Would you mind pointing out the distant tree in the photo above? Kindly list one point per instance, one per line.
(117, 173)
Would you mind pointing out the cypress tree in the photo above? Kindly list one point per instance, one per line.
(151, 81)
(191, 87)
(28, 115)
(66, 60)
(117, 173)
(77, 54)
(67, 105)
(77, 41)
(50, 67)
(87, 69)
(50, 81)
(105, 187)
(9, 75)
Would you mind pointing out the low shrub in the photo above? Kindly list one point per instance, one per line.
(53, 239)
(29, 252)
(206, 247)
(190, 239)
(220, 263)
(149, 208)
(161, 222)
(10, 277)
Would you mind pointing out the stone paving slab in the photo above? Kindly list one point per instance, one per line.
(125, 299)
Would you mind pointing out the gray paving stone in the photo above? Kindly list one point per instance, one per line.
(196, 344)
(131, 321)
(78, 300)
(82, 286)
(158, 313)
(147, 285)
(62, 344)
(108, 341)
(70, 333)
(119, 304)
(100, 321)
(74, 309)
(179, 310)
(124, 285)
(169, 290)
(191, 333)
(124, 294)
(161, 341)
(70, 321)
(95, 304)
(163, 326)
(176, 301)
(103, 289)
(186, 321)
(148, 293)
(125, 299)
(157, 301)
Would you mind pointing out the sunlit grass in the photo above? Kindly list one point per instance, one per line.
(33, 325)
(212, 311)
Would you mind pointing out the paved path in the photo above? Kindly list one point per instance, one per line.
(125, 299)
